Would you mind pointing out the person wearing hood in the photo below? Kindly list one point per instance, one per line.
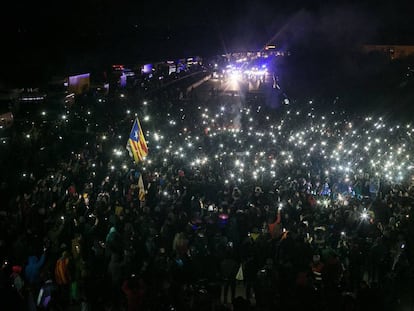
(113, 242)
(32, 270)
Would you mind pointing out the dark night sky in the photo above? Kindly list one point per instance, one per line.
(57, 35)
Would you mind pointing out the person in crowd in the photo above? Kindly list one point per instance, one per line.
(134, 289)
(116, 274)
(229, 267)
(63, 276)
(18, 287)
(47, 298)
(33, 269)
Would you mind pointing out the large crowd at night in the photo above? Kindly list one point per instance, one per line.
(312, 205)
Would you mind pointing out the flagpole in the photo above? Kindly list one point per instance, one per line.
(138, 150)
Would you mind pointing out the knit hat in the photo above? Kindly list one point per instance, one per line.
(17, 269)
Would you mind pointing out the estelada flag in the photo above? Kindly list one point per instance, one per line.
(141, 189)
(136, 145)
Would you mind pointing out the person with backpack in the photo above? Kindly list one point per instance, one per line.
(47, 295)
